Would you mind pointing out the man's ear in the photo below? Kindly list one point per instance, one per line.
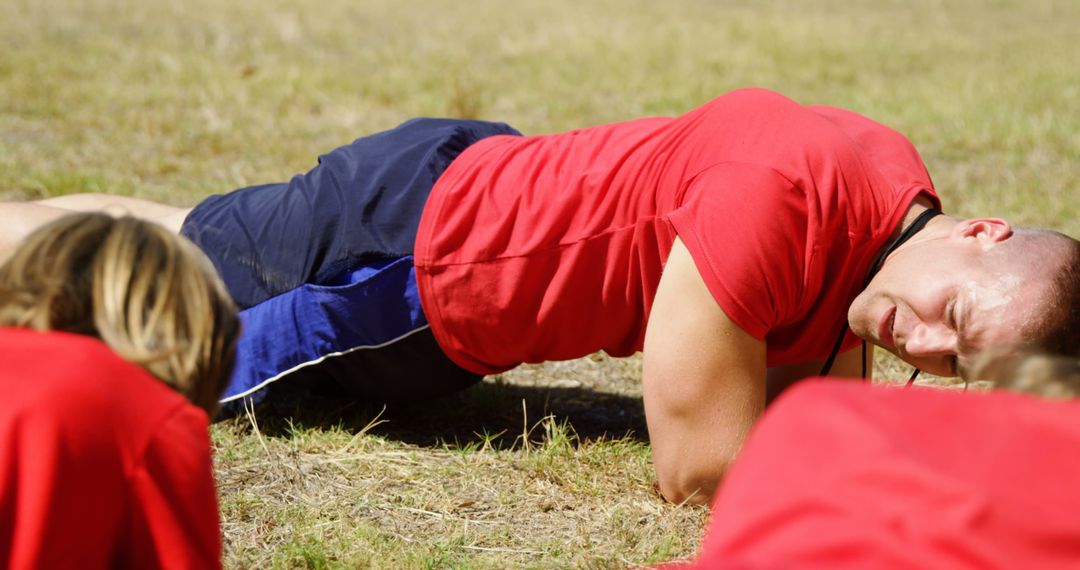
(985, 231)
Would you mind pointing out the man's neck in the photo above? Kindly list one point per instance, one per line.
(919, 205)
(913, 230)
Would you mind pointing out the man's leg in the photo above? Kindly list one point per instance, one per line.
(169, 216)
(18, 219)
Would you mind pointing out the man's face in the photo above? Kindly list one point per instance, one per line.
(937, 303)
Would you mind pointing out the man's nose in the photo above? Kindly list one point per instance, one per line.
(928, 340)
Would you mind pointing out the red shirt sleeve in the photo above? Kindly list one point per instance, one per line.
(745, 225)
(175, 522)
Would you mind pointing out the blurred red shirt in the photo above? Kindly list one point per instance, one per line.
(844, 475)
(101, 465)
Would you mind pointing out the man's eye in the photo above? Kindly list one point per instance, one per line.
(954, 365)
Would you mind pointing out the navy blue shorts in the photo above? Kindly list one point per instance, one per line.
(322, 270)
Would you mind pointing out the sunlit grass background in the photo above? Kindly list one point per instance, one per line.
(175, 100)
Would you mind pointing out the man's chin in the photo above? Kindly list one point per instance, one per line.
(863, 333)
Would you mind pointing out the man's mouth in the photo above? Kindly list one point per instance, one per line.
(885, 328)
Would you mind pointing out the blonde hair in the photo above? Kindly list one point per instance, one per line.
(1049, 376)
(150, 295)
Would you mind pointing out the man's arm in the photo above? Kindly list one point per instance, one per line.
(703, 383)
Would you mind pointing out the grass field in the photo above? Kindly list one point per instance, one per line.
(546, 467)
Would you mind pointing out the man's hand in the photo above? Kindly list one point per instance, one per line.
(703, 383)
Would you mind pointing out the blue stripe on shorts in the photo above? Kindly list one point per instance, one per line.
(375, 304)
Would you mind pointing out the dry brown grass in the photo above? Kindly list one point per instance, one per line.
(543, 467)
(512, 483)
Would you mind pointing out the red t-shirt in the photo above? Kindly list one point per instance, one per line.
(844, 475)
(551, 247)
(101, 465)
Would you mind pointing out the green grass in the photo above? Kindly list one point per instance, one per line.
(176, 100)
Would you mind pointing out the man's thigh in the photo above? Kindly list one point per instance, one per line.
(19, 219)
(114, 205)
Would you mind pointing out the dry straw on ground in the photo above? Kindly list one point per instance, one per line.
(535, 492)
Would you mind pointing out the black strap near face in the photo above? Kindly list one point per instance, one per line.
(913, 228)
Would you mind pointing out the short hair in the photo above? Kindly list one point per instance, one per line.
(1058, 329)
(148, 294)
